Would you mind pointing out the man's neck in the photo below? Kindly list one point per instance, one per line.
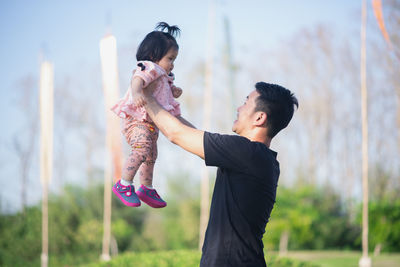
(258, 137)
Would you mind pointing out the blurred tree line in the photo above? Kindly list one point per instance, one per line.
(314, 217)
(76, 226)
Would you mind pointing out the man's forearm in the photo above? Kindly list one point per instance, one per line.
(167, 123)
(184, 121)
(177, 130)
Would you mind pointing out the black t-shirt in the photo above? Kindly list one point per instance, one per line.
(244, 195)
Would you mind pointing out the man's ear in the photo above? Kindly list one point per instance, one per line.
(261, 119)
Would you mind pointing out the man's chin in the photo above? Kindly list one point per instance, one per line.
(234, 127)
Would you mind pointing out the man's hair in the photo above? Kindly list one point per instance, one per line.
(278, 103)
(157, 43)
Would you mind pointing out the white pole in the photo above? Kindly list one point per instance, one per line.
(365, 261)
(108, 54)
(46, 148)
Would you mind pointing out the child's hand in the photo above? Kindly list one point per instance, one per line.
(176, 91)
(138, 100)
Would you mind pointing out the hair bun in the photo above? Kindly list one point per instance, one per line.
(172, 30)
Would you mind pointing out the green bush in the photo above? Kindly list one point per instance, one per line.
(76, 226)
(21, 235)
(181, 258)
(384, 225)
(313, 217)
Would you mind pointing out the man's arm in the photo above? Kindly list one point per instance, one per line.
(184, 121)
(177, 132)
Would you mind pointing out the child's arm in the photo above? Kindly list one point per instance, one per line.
(176, 91)
(137, 92)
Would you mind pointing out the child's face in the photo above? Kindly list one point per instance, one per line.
(167, 62)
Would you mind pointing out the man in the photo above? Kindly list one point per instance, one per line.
(247, 176)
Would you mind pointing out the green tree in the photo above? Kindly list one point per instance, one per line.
(313, 217)
(20, 238)
(384, 225)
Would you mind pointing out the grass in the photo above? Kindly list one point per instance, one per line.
(191, 258)
(153, 259)
(182, 258)
(343, 258)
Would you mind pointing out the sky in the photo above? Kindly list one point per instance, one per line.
(68, 33)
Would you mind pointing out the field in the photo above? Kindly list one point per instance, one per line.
(189, 258)
(343, 258)
(181, 258)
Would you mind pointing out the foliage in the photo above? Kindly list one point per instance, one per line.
(384, 225)
(314, 219)
(76, 226)
(335, 258)
(174, 227)
(20, 237)
(182, 258)
(159, 258)
(383, 211)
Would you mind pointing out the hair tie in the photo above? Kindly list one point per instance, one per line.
(174, 31)
(142, 66)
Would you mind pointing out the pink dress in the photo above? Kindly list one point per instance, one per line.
(148, 71)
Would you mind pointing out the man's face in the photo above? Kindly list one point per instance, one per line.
(245, 114)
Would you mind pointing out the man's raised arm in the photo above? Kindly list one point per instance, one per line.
(173, 128)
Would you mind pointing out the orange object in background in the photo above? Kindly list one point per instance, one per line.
(377, 7)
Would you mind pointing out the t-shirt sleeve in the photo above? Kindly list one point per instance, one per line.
(147, 71)
(226, 151)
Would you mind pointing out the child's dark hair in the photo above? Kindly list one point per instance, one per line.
(278, 103)
(157, 43)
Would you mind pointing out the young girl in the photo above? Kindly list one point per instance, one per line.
(156, 55)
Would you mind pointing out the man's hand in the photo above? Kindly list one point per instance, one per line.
(176, 91)
(138, 99)
(149, 90)
(137, 92)
(181, 134)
